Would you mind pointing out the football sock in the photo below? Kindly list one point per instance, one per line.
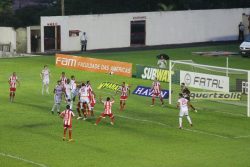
(153, 101)
(98, 120)
(64, 132)
(58, 107)
(189, 120)
(71, 104)
(53, 108)
(79, 113)
(70, 134)
(180, 121)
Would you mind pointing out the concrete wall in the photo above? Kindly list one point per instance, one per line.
(21, 40)
(171, 27)
(8, 35)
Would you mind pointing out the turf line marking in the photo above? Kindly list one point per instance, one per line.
(159, 123)
(21, 159)
(239, 137)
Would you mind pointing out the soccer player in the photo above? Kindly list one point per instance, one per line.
(91, 98)
(67, 88)
(156, 92)
(186, 94)
(125, 91)
(58, 93)
(84, 99)
(183, 105)
(13, 80)
(92, 103)
(45, 75)
(63, 79)
(107, 110)
(67, 122)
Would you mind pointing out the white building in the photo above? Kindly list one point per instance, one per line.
(132, 29)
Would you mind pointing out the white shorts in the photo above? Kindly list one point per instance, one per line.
(183, 112)
(68, 96)
(46, 81)
(74, 93)
(57, 98)
(84, 99)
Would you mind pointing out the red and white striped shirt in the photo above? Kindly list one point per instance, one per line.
(156, 87)
(108, 106)
(67, 116)
(13, 80)
(124, 90)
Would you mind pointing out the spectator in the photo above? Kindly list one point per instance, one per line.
(241, 32)
(84, 40)
(162, 62)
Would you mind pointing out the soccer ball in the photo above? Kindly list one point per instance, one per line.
(111, 73)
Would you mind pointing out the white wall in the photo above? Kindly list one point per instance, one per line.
(8, 35)
(172, 27)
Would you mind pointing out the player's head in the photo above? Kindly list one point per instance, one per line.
(123, 83)
(108, 99)
(68, 81)
(72, 77)
(14, 73)
(45, 66)
(59, 82)
(67, 106)
(83, 84)
(63, 73)
(88, 82)
(180, 95)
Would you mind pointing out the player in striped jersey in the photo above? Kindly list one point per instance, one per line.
(156, 92)
(125, 91)
(107, 110)
(183, 104)
(13, 80)
(92, 100)
(67, 122)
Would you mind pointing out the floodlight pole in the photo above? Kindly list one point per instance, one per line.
(227, 67)
(248, 94)
(62, 7)
(170, 82)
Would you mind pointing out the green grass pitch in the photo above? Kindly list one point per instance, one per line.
(142, 136)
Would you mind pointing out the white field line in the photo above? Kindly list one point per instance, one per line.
(21, 159)
(159, 123)
(239, 137)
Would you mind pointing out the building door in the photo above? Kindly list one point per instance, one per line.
(52, 38)
(35, 41)
(137, 32)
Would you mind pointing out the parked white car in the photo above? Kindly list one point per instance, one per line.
(245, 47)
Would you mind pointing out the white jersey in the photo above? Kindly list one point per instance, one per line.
(84, 94)
(45, 74)
(183, 104)
(162, 63)
(68, 90)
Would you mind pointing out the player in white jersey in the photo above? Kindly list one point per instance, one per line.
(74, 88)
(13, 80)
(63, 79)
(67, 88)
(156, 92)
(125, 91)
(58, 93)
(45, 76)
(84, 99)
(107, 110)
(183, 104)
